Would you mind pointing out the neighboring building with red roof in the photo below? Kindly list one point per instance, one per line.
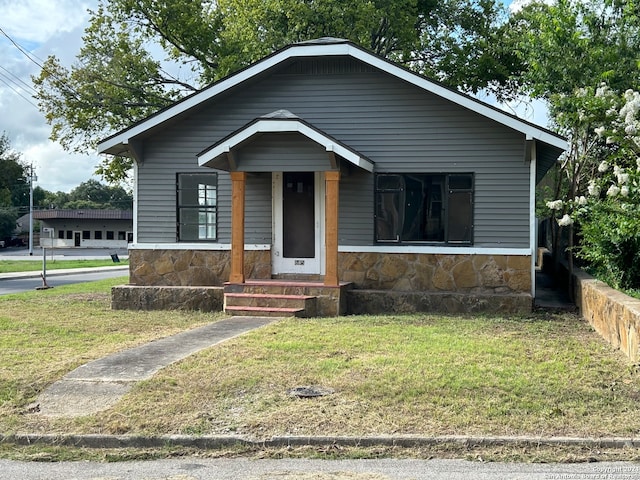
(85, 228)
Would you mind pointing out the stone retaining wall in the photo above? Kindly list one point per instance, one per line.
(133, 297)
(614, 315)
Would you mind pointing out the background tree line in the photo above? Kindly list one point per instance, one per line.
(14, 192)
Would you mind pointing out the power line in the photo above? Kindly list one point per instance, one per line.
(16, 91)
(40, 64)
(17, 80)
(20, 48)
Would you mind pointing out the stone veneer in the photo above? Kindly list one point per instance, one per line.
(383, 282)
(413, 272)
(614, 315)
(134, 297)
(192, 267)
(409, 272)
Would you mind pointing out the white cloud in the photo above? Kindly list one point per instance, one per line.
(57, 169)
(42, 28)
(36, 21)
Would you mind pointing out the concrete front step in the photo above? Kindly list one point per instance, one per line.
(270, 304)
(313, 297)
(247, 311)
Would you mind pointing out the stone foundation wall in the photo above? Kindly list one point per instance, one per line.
(469, 274)
(192, 267)
(133, 297)
(413, 272)
(614, 315)
(376, 302)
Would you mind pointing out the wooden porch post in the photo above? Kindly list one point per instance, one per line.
(238, 183)
(332, 182)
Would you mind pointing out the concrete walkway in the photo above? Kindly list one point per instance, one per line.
(99, 384)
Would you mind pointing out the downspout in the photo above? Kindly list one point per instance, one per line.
(530, 155)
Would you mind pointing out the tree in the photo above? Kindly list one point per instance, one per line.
(571, 44)
(14, 190)
(577, 55)
(94, 195)
(117, 81)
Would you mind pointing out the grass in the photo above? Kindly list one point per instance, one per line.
(9, 266)
(543, 375)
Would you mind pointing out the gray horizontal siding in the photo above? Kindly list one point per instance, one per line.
(257, 224)
(282, 152)
(356, 206)
(398, 126)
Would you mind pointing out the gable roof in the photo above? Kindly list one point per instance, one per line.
(281, 121)
(118, 143)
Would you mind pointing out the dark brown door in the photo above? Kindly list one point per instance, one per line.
(298, 207)
(76, 239)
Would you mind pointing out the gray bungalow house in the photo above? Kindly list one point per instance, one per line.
(329, 174)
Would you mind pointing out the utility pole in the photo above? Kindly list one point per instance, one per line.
(32, 178)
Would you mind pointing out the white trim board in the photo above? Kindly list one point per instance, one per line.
(424, 249)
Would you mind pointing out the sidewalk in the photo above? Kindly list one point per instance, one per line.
(99, 384)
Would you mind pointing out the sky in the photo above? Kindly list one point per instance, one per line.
(55, 27)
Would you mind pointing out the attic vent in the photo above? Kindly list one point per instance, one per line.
(334, 66)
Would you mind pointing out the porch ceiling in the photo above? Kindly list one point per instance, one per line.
(220, 154)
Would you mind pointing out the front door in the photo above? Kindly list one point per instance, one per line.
(76, 239)
(298, 213)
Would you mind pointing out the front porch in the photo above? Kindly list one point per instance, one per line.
(286, 298)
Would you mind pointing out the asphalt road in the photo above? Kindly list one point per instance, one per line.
(194, 468)
(17, 285)
(23, 284)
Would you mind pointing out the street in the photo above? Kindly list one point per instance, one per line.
(22, 282)
(17, 285)
(196, 468)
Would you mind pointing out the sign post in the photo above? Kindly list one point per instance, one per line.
(45, 232)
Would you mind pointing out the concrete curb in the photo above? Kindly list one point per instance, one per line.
(217, 442)
(53, 273)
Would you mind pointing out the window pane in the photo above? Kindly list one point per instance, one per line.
(197, 199)
(86, 235)
(207, 225)
(460, 182)
(61, 234)
(422, 207)
(435, 227)
(388, 217)
(389, 182)
(97, 234)
(110, 235)
(460, 216)
(69, 234)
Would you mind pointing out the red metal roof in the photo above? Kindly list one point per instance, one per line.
(80, 214)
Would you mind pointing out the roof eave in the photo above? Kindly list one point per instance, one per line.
(118, 142)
